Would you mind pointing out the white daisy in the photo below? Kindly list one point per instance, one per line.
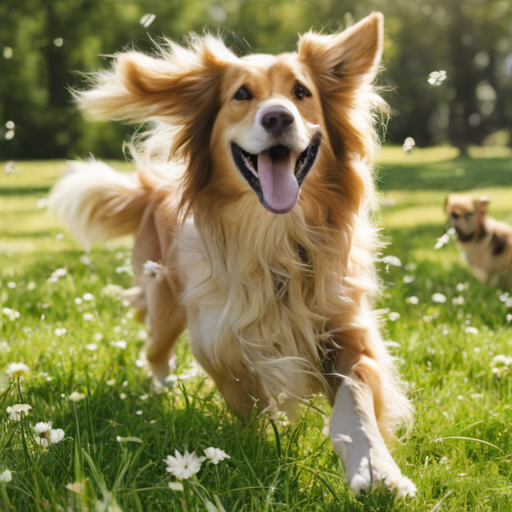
(46, 435)
(76, 396)
(439, 297)
(60, 332)
(392, 260)
(6, 476)
(215, 455)
(183, 466)
(17, 410)
(437, 77)
(16, 370)
(412, 300)
(409, 143)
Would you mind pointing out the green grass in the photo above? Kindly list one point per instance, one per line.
(460, 447)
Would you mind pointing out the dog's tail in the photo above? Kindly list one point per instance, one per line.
(98, 203)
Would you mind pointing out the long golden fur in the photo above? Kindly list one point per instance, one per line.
(275, 303)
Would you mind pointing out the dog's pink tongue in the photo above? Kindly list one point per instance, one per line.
(278, 183)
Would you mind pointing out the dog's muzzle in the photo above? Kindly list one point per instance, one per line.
(274, 174)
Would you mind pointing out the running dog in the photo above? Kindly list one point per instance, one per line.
(253, 198)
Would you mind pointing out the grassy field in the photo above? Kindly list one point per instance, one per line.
(70, 333)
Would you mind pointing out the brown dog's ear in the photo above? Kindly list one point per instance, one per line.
(482, 204)
(352, 56)
(180, 85)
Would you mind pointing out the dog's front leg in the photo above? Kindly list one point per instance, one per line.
(355, 436)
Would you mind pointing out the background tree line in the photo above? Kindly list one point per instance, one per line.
(43, 43)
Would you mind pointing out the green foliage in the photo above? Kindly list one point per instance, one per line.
(459, 449)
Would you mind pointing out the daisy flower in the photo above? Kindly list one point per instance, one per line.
(46, 435)
(215, 455)
(16, 370)
(437, 77)
(439, 298)
(6, 476)
(183, 466)
(17, 410)
(76, 396)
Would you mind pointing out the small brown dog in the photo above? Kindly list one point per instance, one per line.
(486, 243)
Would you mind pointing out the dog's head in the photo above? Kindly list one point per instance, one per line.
(466, 214)
(252, 125)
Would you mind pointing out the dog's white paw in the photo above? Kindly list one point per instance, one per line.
(381, 477)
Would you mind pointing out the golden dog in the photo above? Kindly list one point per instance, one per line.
(486, 243)
(254, 190)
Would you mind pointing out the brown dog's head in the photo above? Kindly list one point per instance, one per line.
(252, 125)
(466, 214)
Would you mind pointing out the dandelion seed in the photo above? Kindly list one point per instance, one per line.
(42, 203)
(409, 143)
(392, 260)
(437, 77)
(88, 317)
(16, 370)
(152, 268)
(147, 19)
(17, 411)
(442, 241)
(215, 455)
(60, 332)
(175, 486)
(471, 330)
(6, 476)
(91, 346)
(183, 466)
(9, 168)
(76, 396)
(439, 298)
(412, 300)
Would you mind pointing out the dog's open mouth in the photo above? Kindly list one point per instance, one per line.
(274, 174)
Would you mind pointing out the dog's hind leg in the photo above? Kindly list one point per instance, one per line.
(355, 433)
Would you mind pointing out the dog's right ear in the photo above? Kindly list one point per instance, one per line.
(482, 204)
(179, 85)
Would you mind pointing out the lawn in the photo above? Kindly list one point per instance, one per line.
(76, 334)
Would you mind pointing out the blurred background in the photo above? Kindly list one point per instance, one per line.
(44, 44)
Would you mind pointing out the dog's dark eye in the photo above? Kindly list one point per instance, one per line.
(242, 94)
(468, 215)
(301, 92)
(455, 216)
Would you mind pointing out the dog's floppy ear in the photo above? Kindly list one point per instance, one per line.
(350, 57)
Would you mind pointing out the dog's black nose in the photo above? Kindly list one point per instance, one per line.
(276, 119)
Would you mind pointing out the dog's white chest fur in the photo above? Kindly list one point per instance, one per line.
(251, 313)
